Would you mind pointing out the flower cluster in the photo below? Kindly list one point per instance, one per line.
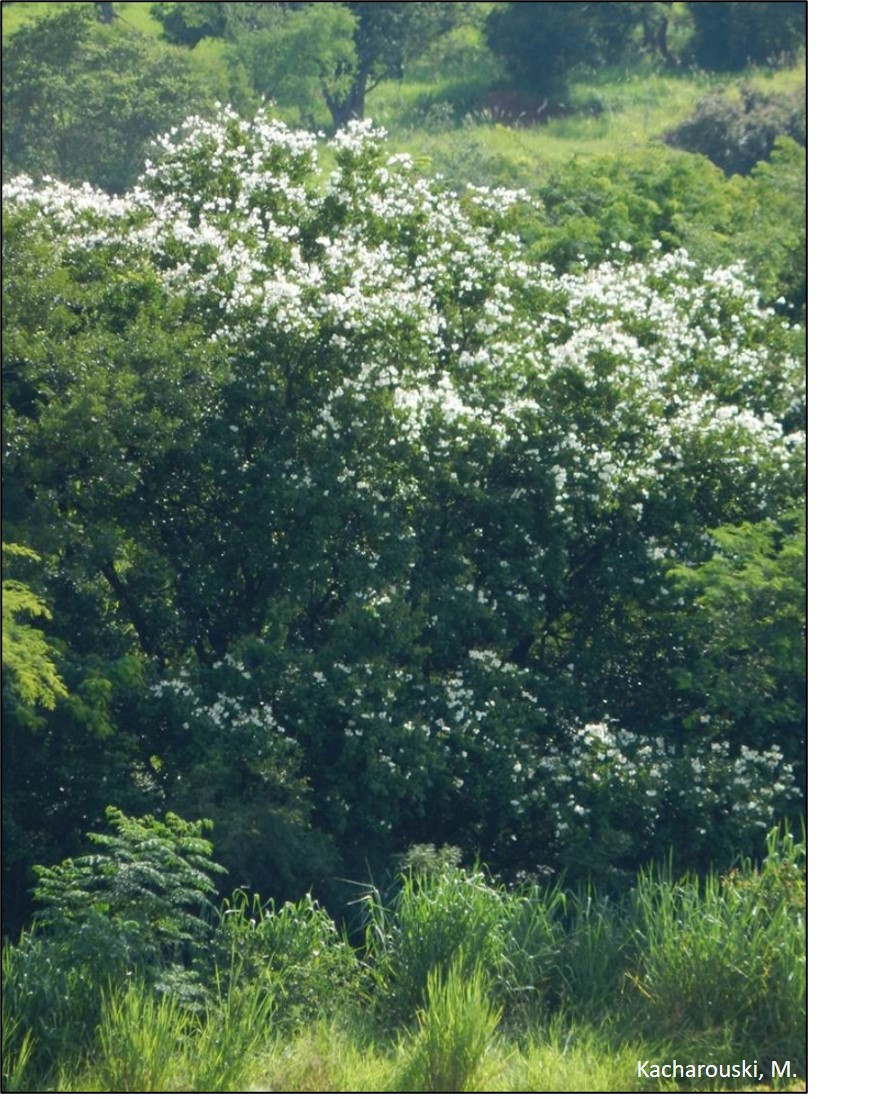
(444, 474)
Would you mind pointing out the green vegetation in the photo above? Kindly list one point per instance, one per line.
(83, 101)
(709, 971)
(424, 506)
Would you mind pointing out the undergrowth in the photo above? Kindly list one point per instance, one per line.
(461, 983)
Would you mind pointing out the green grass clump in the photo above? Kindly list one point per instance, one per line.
(294, 951)
(139, 1040)
(437, 917)
(727, 955)
(455, 1030)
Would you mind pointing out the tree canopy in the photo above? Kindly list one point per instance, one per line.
(360, 526)
(82, 101)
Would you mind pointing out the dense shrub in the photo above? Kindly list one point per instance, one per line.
(83, 101)
(292, 951)
(138, 905)
(540, 43)
(736, 133)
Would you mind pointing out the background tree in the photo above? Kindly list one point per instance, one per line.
(186, 24)
(728, 36)
(541, 43)
(294, 51)
(302, 56)
(83, 101)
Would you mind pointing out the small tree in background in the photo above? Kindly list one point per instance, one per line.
(83, 101)
(541, 43)
(728, 36)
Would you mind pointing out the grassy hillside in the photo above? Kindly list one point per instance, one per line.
(446, 112)
(136, 15)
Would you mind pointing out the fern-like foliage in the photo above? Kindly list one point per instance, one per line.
(27, 657)
(143, 894)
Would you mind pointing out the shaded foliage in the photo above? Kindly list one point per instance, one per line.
(737, 132)
(728, 36)
(541, 43)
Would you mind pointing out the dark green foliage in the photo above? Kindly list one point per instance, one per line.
(744, 652)
(83, 101)
(540, 43)
(186, 24)
(144, 895)
(737, 132)
(728, 36)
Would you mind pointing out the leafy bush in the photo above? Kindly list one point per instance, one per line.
(643, 199)
(293, 952)
(142, 899)
(139, 904)
(83, 101)
(736, 133)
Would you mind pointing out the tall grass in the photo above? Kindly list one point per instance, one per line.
(51, 1006)
(435, 918)
(727, 954)
(293, 951)
(471, 984)
(18, 1050)
(591, 956)
(139, 1041)
(222, 1054)
(455, 1031)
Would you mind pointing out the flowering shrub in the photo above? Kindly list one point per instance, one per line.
(386, 504)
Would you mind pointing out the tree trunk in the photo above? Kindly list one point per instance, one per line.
(105, 12)
(351, 106)
(655, 24)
